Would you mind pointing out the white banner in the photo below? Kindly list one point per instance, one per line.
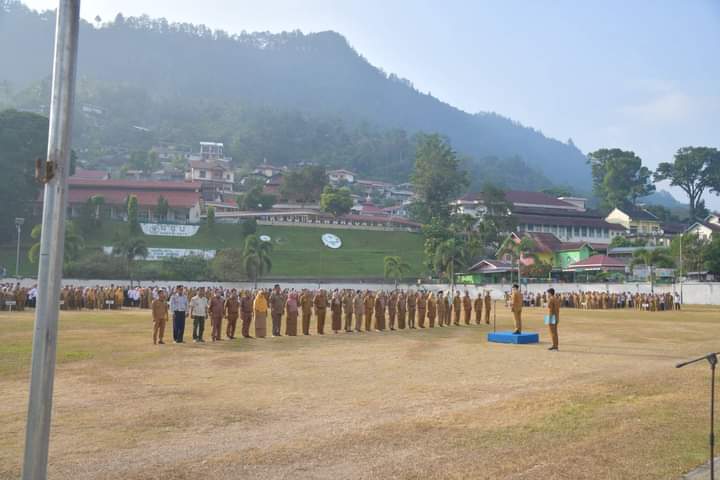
(161, 253)
(169, 230)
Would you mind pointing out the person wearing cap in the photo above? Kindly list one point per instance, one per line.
(359, 309)
(553, 304)
(306, 304)
(320, 302)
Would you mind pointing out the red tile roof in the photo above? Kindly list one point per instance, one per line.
(598, 261)
(116, 192)
(526, 198)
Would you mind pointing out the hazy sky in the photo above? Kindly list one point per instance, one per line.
(642, 75)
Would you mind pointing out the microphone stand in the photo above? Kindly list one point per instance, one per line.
(712, 360)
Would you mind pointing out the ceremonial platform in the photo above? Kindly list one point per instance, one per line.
(510, 337)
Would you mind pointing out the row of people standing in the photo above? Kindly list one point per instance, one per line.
(349, 311)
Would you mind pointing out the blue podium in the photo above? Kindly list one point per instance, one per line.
(509, 337)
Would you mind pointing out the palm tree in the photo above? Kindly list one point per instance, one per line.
(450, 256)
(256, 257)
(652, 259)
(130, 248)
(517, 250)
(74, 243)
(395, 268)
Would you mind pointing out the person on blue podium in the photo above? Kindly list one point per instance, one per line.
(553, 317)
(516, 304)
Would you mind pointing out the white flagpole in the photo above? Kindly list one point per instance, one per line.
(37, 434)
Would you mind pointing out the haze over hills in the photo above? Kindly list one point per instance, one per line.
(317, 77)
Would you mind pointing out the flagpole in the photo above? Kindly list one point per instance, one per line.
(54, 174)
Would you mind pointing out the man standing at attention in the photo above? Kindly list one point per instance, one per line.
(198, 312)
(401, 309)
(347, 306)
(467, 308)
(320, 302)
(478, 307)
(277, 305)
(359, 309)
(456, 306)
(369, 302)
(216, 309)
(553, 317)
(487, 303)
(160, 317)
(516, 304)
(306, 307)
(411, 303)
(178, 305)
(392, 309)
(232, 309)
(246, 312)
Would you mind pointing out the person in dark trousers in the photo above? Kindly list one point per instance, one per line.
(178, 305)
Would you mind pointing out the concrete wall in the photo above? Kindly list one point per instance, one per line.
(704, 293)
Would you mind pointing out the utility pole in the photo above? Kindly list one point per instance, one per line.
(681, 268)
(52, 242)
(18, 225)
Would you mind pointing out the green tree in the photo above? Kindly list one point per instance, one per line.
(129, 248)
(304, 185)
(98, 201)
(450, 257)
(210, 218)
(132, 215)
(496, 221)
(437, 178)
(74, 243)
(248, 227)
(86, 217)
(712, 255)
(162, 208)
(652, 259)
(394, 267)
(693, 250)
(518, 250)
(227, 265)
(619, 178)
(694, 170)
(256, 257)
(336, 201)
(23, 138)
(255, 199)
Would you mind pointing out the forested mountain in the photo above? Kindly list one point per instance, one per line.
(286, 97)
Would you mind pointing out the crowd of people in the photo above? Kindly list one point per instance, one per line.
(595, 300)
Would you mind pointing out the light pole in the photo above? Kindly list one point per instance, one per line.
(18, 225)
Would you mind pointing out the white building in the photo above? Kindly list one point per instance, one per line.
(338, 176)
(706, 228)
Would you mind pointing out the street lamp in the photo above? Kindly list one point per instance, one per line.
(18, 225)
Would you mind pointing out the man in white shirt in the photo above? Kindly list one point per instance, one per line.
(178, 306)
(198, 312)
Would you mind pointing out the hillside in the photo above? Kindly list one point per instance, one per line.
(298, 252)
(317, 76)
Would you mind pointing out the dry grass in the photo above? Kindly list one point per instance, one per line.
(425, 404)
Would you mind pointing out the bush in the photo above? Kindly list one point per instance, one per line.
(193, 267)
(227, 265)
(248, 227)
(96, 265)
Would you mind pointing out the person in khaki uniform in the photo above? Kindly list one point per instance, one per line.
(216, 308)
(277, 306)
(440, 309)
(467, 307)
(369, 301)
(553, 309)
(232, 310)
(516, 304)
(321, 303)
(380, 312)
(478, 308)
(411, 304)
(456, 306)
(291, 310)
(401, 310)
(335, 312)
(347, 307)
(421, 302)
(306, 304)
(359, 309)
(392, 309)
(432, 309)
(160, 318)
(246, 312)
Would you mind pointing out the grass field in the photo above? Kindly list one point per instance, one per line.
(298, 251)
(421, 404)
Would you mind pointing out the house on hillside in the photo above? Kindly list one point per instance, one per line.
(706, 228)
(215, 176)
(636, 221)
(341, 176)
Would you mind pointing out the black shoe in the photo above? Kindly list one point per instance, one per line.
(516, 332)
(553, 348)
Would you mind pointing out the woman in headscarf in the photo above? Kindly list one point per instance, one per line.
(291, 307)
(260, 307)
(336, 309)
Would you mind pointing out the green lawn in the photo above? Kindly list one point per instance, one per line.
(298, 251)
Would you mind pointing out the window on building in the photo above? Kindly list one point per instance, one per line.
(584, 231)
(202, 174)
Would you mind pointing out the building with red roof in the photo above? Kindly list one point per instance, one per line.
(184, 198)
